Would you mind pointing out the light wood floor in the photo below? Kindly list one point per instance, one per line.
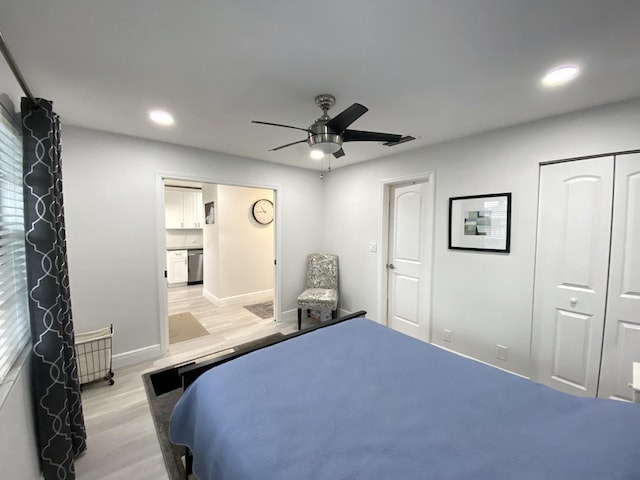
(121, 438)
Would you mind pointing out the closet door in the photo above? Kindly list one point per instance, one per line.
(622, 330)
(572, 257)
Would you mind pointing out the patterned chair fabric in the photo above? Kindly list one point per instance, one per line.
(322, 285)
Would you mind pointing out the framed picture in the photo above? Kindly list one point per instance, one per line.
(480, 222)
(209, 213)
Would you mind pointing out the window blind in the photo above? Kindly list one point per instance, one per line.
(14, 319)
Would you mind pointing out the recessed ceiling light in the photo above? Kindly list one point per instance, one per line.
(161, 117)
(560, 75)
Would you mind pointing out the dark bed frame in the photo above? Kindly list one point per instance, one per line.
(190, 372)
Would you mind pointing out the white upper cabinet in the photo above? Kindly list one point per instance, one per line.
(183, 208)
(192, 208)
(173, 208)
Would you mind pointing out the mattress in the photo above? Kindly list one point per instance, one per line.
(357, 400)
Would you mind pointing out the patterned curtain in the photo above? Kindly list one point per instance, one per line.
(60, 428)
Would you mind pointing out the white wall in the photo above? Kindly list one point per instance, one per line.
(239, 252)
(113, 218)
(485, 299)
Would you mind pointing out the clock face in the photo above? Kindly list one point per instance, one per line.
(263, 211)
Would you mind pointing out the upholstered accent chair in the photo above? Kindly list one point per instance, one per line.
(322, 285)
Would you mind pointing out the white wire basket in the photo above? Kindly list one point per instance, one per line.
(94, 356)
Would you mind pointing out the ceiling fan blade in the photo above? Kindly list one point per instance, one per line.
(339, 153)
(361, 136)
(287, 145)
(340, 122)
(279, 125)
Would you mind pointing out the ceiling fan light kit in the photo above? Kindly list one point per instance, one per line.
(326, 135)
(323, 141)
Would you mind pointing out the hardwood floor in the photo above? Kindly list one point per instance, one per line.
(121, 438)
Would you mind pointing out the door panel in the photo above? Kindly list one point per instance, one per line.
(408, 252)
(571, 273)
(622, 331)
(580, 197)
(571, 349)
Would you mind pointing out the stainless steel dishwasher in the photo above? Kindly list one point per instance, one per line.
(195, 266)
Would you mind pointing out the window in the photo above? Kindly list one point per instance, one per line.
(14, 319)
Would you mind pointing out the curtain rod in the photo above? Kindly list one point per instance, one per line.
(16, 71)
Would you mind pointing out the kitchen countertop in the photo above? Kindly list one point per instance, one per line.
(192, 247)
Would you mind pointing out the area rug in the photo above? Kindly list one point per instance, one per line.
(263, 310)
(184, 326)
(164, 388)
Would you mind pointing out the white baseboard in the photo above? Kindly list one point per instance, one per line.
(289, 316)
(139, 355)
(244, 299)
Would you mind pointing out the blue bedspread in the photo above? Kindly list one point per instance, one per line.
(359, 401)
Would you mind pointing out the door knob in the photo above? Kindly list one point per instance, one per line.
(391, 266)
(573, 301)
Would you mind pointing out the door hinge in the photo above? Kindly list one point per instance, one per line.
(165, 274)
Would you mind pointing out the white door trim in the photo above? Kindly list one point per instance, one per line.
(161, 245)
(383, 239)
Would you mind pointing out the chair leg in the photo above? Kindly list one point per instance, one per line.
(299, 318)
(334, 313)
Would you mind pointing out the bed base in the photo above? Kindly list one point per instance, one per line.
(189, 373)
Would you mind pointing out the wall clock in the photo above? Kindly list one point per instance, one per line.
(263, 211)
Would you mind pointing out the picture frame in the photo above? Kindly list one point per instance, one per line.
(209, 213)
(480, 223)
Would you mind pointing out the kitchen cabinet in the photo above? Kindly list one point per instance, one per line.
(183, 208)
(192, 209)
(177, 267)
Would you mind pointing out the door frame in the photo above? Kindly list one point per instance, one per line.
(383, 242)
(161, 244)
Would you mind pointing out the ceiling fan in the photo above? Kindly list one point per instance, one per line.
(326, 135)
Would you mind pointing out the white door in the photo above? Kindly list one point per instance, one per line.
(572, 257)
(622, 328)
(409, 260)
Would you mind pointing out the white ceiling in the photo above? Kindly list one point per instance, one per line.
(434, 69)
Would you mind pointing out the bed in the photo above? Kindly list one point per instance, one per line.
(356, 400)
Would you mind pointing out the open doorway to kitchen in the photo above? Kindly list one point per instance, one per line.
(220, 245)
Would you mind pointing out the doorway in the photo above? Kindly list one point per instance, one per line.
(239, 260)
(406, 254)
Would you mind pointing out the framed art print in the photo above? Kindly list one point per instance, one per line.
(480, 222)
(209, 213)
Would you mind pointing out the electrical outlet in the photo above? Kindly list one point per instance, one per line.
(502, 352)
(447, 335)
